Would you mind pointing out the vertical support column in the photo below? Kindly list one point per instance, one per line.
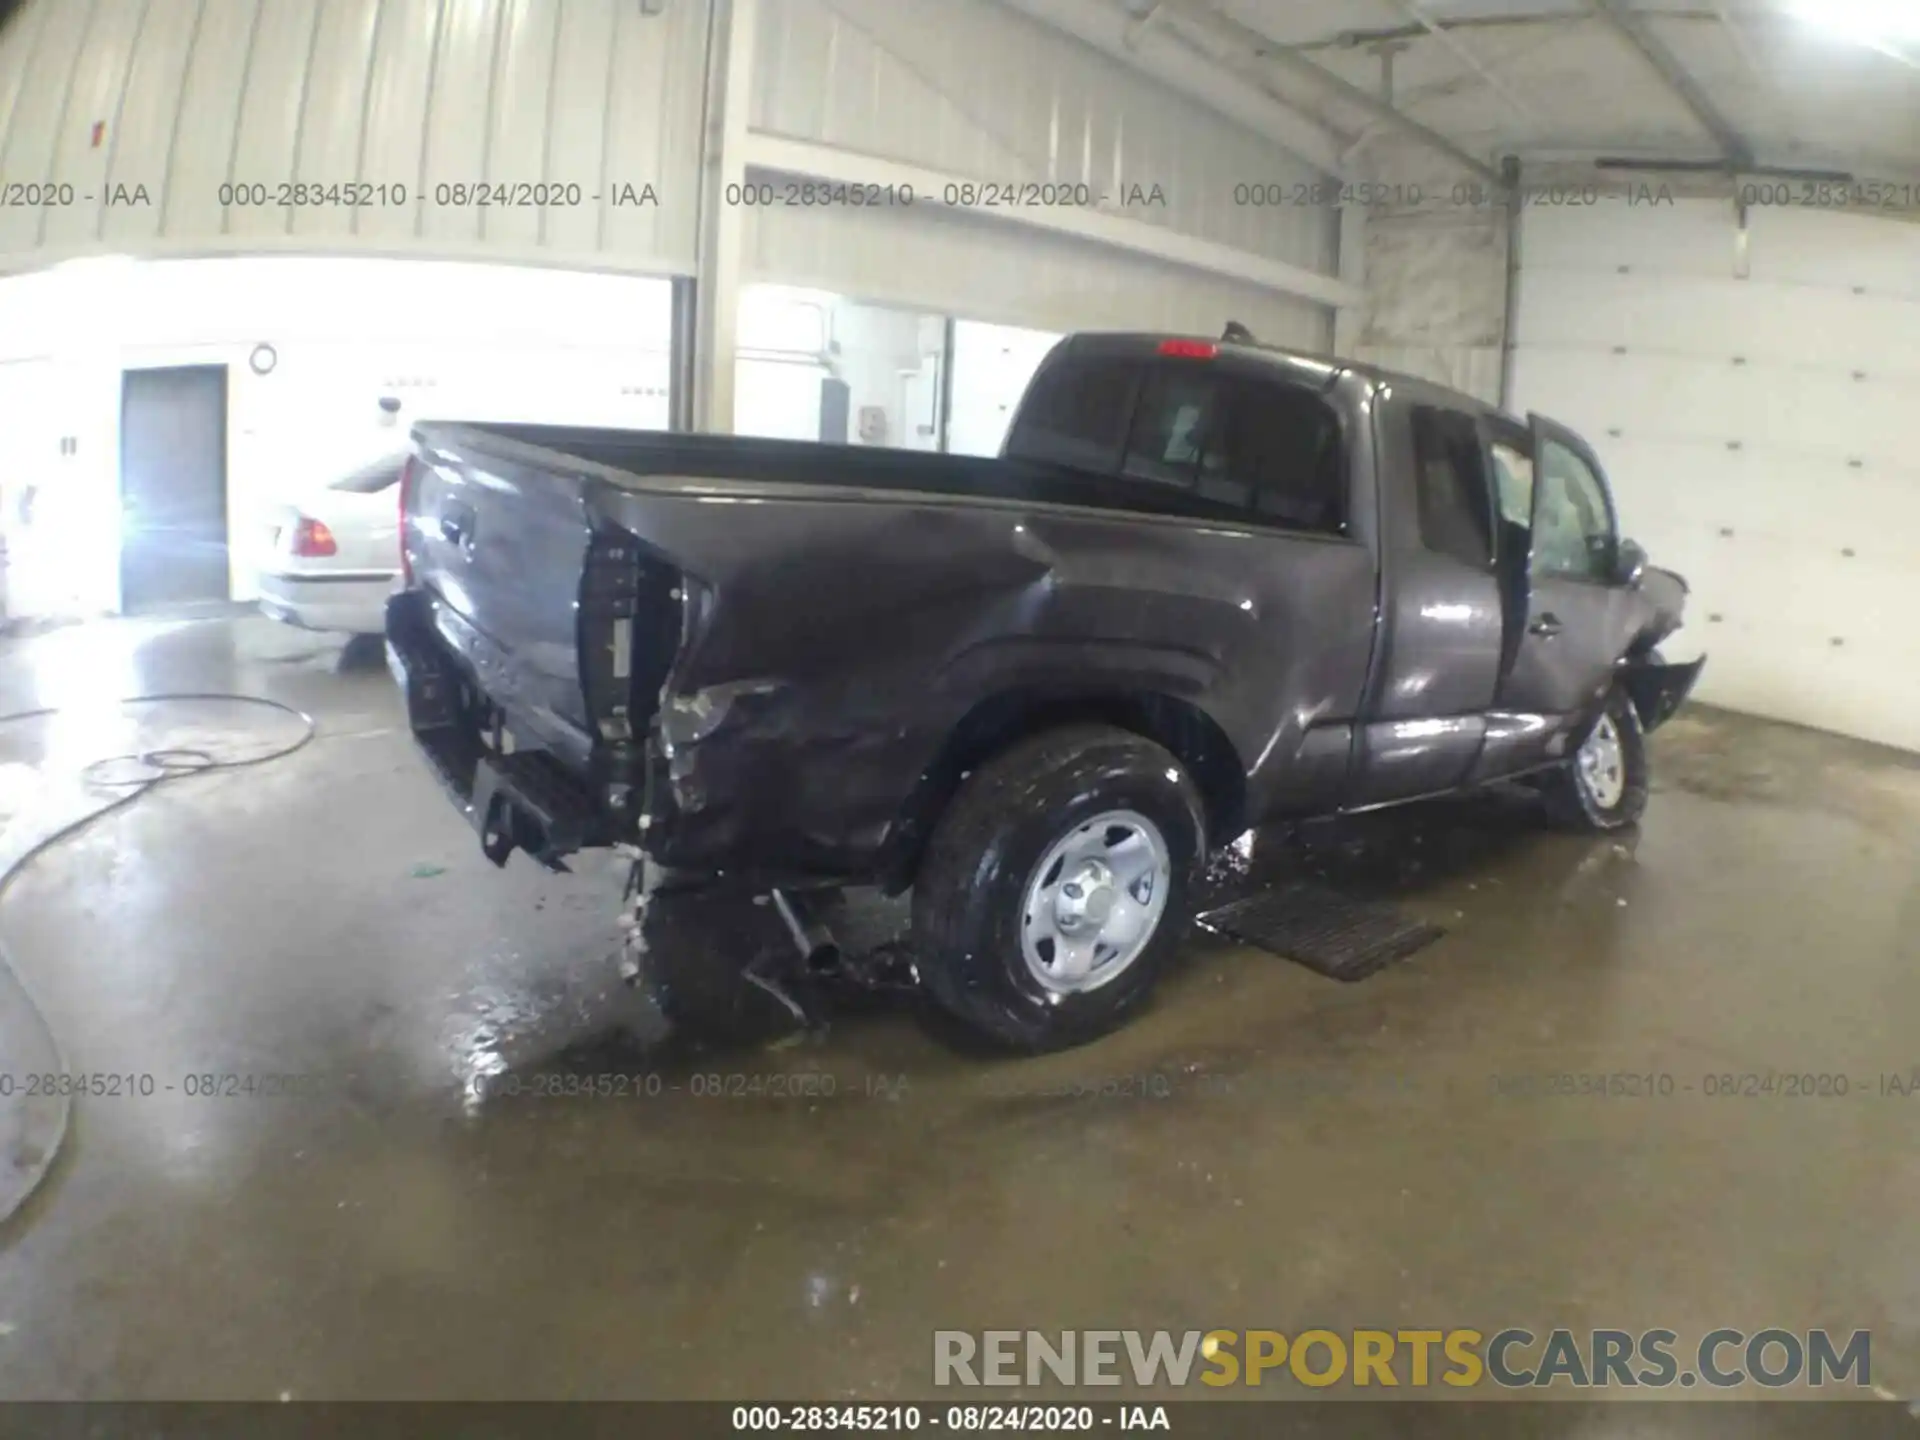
(720, 236)
(1510, 317)
(1350, 321)
(1742, 237)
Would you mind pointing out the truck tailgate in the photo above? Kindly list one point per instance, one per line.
(500, 546)
(531, 641)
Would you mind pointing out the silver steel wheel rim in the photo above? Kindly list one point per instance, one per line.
(1094, 902)
(1603, 765)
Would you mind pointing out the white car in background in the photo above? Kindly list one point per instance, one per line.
(333, 557)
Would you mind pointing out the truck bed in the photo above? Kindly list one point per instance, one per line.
(634, 456)
(761, 648)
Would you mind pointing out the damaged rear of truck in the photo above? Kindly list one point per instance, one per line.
(1036, 689)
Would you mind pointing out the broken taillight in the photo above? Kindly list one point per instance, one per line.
(312, 539)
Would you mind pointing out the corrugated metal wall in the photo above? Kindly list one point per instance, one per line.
(989, 270)
(176, 98)
(971, 88)
(139, 112)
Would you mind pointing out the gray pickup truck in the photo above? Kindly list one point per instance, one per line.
(1207, 585)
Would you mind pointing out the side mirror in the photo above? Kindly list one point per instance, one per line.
(1630, 563)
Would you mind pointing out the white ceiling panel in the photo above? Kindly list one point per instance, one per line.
(1557, 78)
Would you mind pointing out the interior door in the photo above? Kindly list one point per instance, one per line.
(1562, 552)
(173, 487)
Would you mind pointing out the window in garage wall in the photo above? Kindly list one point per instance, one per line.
(817, 366)
(991, 367)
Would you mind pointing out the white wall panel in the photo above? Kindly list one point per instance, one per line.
(48, 48)
(40, 579)
(1758, 432)
(142, 129)
(973, 88)
(653, 118)
(267, 131)
(991, 367)
(15, 59)
(199, 155)
(576, 131)
(460, 102)
(327, 148)
(99, 79)
(977, 90)
(985, 270)
(523, 77)
(189, 95)
(393, 138)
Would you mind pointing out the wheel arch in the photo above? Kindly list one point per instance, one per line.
(1004, 719)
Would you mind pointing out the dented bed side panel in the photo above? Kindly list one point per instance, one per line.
(836, 639)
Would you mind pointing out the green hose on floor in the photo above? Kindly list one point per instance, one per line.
(159, 767)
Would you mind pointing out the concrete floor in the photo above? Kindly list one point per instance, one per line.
(1317, 1155)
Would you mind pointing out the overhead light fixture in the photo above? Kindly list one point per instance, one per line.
(1872, 22)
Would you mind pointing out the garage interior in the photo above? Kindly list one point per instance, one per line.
(1686, 229)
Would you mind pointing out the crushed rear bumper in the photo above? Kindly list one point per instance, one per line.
(520, 801)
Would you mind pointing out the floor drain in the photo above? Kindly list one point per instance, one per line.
(1341, 937)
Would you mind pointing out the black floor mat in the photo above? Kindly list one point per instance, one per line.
(1337, 935)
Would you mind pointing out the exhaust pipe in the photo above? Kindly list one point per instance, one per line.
(818, 949)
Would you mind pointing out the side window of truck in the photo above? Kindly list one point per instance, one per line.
(1513, 481)
(1456, 516)
(1076, 413)
(1265, 450)
(1573, 526)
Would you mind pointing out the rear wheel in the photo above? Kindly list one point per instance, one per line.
(1604, 785)
(1055, 887)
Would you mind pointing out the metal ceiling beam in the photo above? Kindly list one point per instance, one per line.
(1234, 33)
(1414, 11)
(1741, 44)
(1632, 28)
(803, 158)
(1152, 49)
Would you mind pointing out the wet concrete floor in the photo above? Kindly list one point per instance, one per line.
(366, 1208)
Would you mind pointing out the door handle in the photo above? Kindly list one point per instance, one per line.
(1547, 626)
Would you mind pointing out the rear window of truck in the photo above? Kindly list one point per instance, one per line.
(1075, 413)
(1263, 448)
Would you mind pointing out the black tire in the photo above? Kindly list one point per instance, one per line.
(1570, 800)
(363, 652)
(972, 882)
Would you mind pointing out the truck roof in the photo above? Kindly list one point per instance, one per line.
(1303, 367)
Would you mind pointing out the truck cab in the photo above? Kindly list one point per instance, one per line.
(1508, 598)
